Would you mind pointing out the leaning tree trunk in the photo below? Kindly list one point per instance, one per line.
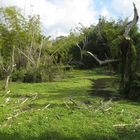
(128, 55)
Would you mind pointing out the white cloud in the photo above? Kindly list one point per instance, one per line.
(105, 12)
(124, 8)
(58, 17)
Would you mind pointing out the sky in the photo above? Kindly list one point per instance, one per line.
(59, 17)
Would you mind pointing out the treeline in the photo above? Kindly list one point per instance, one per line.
(27, 55)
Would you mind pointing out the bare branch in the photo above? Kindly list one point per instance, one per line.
(131, 23)
(80, 50)
(40, 51)
(102, 62)
(26, 56)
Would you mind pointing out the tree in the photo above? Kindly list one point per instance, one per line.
(10, 27)
(127, 56)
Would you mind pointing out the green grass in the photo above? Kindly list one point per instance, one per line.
(73, 113)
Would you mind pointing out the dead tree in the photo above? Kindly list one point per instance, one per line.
(127, 56)
(128, 53)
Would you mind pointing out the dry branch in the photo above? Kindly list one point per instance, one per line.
(122, 125)
(131, 23)
(66, 105)
(21, 52)
(24, 101)
(46, 107)
(7, 100)
(58, 117)
(102, 62)
(73, 102)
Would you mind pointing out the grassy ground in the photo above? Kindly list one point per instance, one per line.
(83, 106)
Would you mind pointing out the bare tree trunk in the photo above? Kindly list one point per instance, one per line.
(40, 51)
(9, 71)
(6, 82)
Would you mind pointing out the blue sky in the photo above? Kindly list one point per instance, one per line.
(58, 17)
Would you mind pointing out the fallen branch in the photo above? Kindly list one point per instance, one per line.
(73, 102)
(8, 92)
(102, 62)
(122, 125)
(46, 107)
(24, 101)
(107, 109)
(58, 117)
(34, 97)
(10, 118)
(105, 106)
(7, 100)
(66, 105)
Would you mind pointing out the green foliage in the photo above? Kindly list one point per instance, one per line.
(18, 75)
(35, 58)
(133, 88)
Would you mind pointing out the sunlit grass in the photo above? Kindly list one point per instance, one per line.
(71, 113)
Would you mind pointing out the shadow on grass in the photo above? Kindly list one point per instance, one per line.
(122, 134)
(61, 93)
(103, 88)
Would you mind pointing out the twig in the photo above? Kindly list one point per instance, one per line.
(107, 109)
(58, 117)
(26, 56)
(7, 100)
(122, 125)
(104, 106)
(67, 105)
(34, 97)
(24, 101)
(46, 107)
(73, 102)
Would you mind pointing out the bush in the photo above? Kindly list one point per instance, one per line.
(133, 89)
(32, 77)
(18, 75)
(45, 73)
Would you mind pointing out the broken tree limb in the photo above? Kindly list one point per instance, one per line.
(80, 51)
(131, 23)
(107, 61)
